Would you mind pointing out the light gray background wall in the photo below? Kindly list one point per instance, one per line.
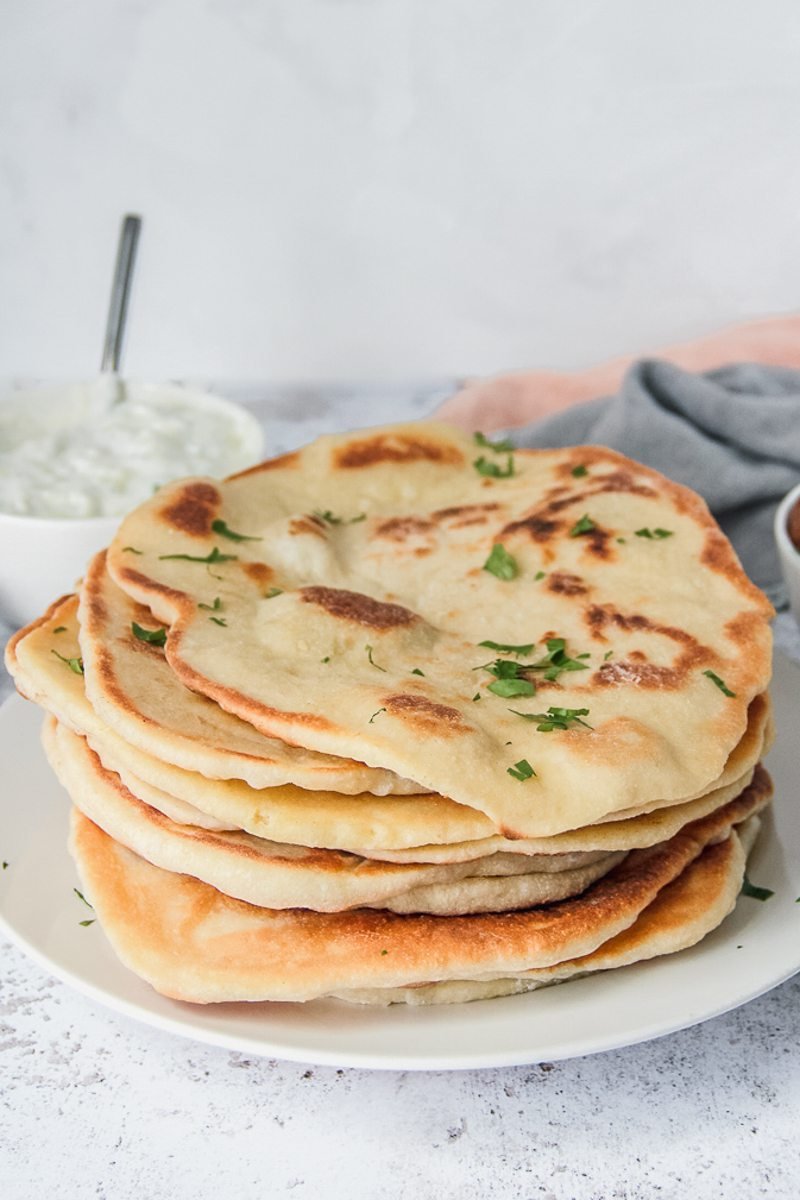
(393, 188)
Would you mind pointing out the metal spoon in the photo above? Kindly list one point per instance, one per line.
(118, 306)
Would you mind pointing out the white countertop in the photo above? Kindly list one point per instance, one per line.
(95, 1105)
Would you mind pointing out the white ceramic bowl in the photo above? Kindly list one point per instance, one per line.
(42, 557)
(789, 555)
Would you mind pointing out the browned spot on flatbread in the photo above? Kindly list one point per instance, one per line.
(399, 529)
(465, 514)
(355, 606)
(259, 572)
(299, 525)
(395, 448)
(636, 669)
(193, 509)
(144, 581)
(565, 584)
(426, 714)
(541, 529)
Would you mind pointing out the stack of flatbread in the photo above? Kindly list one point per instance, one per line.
(407, 716)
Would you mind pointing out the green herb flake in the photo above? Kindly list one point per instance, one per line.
(222, 529)
(721, 684)
(491, 470)
(83, 899)
(372, 662)
(60, 629)
(153, 637)
(417, 671)
(5, 866)
(755, 892)
(216, 556)
(521, 770)
(477, 696)
(375, 714)
(607, 655)
(215, 607)
(219, 621)
(512, 687)
(384, 952)
(622, 541)
(331, 518)
(326, 659)
(75, 664)
(501, 564)
(504, 648)
(272, 593)
(89, 921)
(539, 575)
(579, 471)
(555, 718)
(502, 447)
(131, 550)
(585, 525)
(654, 534)
(556, 661)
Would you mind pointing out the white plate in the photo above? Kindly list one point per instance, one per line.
(757, 947)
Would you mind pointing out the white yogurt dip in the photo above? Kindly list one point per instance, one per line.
(98, 449)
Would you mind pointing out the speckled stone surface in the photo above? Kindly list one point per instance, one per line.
(95, 1105)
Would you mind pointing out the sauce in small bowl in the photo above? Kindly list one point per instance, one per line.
(75, 458)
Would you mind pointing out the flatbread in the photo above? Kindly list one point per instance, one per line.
(372, 649)
(272, 875)
(683, 913)
(424, 828)
(193, 943)
(132, 689)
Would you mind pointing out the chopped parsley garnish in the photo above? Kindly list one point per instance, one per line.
(273, 591)
(332, 519)
(721, 684)
(512, 687)
(326, 659)
(131, 550)
(154, 637)
(502, 447)
(521, 770)
(539, 575)
(504, 648)
(477, 696)
(216, 556)
(89, 921)
(508, 680)
(621, 541)
(384, 952)
(585, 525)
(222, 529)
(607, 655)
(501, 564)
(484, 466)
(81, 897)
(556, 661)
(215, 607)
(579, 471)
(372, 662)
(60, 629)
(654, 534)
(755, 892)
(74, 664)
(417, 671)
(5, 866)
(555, 718)
(219, 621)
(375, 714)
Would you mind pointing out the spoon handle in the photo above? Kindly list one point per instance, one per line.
(120, 290)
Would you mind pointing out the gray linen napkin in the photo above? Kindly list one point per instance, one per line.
(732, 434)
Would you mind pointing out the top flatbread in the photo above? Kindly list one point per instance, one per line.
(372, 648)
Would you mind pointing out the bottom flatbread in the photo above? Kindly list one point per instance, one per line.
(193, 943)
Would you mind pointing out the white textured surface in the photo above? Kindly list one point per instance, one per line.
(96, 1106)
(391, 188)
